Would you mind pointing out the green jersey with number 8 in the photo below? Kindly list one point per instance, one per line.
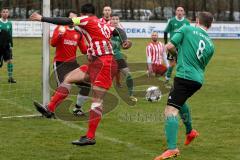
(195, 50)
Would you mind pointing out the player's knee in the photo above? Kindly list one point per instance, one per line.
(68, 79)
(98, 93)
(9, 61)
(171, 111)
(97, 106)
(125, 71)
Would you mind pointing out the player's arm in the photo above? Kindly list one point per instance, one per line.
(56, 37)
(149, 58)
(166, 31)
(126, 44)
(165, 37)
(115, 44)
(171, 48)
(175, 41)
(11, 38)
(166, 62)
(82, 41)
(60, 20)
(82, 45)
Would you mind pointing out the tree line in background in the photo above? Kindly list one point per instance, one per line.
(223, 10)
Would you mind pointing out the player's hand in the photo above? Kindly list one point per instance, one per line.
(127, 44)
(36, 17)
(61, 30)
(150, 70)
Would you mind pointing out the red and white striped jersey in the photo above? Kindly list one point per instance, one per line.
(156, 53)
(97, 34)
(103, 20)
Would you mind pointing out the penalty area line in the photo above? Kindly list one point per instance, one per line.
(22, 116)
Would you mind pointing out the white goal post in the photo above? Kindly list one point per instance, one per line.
(45, 53)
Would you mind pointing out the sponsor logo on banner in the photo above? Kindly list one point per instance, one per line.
(133, 29)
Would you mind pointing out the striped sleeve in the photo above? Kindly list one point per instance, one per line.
(148, 54)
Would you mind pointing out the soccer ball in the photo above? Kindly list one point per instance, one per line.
(153, 94)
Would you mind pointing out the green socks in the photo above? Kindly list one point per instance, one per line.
(171, 131)
(129, 82)
(10, 69)
(169, 72)
(186, 117)
(171, 126)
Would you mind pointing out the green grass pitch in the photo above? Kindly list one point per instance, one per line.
(126, 133)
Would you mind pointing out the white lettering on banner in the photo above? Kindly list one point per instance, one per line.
(133, 29)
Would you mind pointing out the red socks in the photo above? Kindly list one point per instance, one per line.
(94, 119)
(60, 94)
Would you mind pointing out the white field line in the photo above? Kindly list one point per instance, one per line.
(74, 126)
(111, 139)
(22, 116)
(71, 125)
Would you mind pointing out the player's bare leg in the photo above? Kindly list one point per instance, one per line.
(171, 130)
(61, 92)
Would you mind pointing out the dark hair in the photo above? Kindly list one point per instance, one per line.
(205, 19)
(107, 6)
(179, 6)
(3, 8)
(69, 12)
(88, 9)
(115, 15)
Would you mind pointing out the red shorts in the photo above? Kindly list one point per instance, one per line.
(101, 71)
(159, 69)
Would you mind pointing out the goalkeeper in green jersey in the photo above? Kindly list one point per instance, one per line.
(6, 43)
(195, 49)
(173, 25)
(122, 64)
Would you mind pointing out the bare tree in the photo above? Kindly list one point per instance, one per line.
(239, 9)
(28, 7)
(77, 4)
(204, 5)
(52, 6)
(231, 9)
(154, 10)
(14, 9)
(124, 9)
(193, 10)
(162, 4)
(218, 9)
(131, 9)
(186, 7)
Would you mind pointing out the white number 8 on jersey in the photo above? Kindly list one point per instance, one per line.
(201, 47)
